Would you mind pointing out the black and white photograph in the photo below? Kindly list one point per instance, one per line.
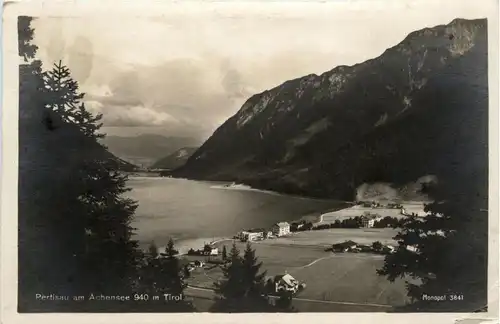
(270, 160)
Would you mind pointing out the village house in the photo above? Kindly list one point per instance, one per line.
(251, 235)
(210, 250)
(344, 246)
(286, 283)
(388, 249)
(199, 263)
(280, 229)
(242, 235)
(368, 220)
(364, 248)
(412, 248)
(195, 264)
(394, 206)
(418, 213)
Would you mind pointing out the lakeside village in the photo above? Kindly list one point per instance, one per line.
(214, 257)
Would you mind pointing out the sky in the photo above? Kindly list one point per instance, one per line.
(185, 74)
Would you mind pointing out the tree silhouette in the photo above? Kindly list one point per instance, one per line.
(451, 247)
(38, 264)
(253, 278)
(163, 276)
(150, 272)
(173, 271)
(224, 253)
(153, 251)
(284, 302)
(63, 97)
(74, 224)
(27, 50)
(243, 287)
(377, 246)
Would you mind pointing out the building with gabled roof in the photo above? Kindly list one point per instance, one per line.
(281, 228)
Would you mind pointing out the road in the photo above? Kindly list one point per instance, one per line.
(302, 304)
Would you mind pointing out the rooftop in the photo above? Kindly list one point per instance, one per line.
(371, 216)
(283, 224)
(288, 279)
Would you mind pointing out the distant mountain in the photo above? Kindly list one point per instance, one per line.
(176, 159)
(122, 164)
(420, 108)
(145, 149)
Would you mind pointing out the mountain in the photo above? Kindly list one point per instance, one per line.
(145, 149)
(419, 109)
(176, 159)
(122, 164)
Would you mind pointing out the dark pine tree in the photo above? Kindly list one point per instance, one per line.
(230, 290)
(451, 255)
(27, 50)
(284, 303)
(377, 246)
(173, 271)
(111, 256)
(52, 239)
(254, 279)
(149, 272)
(224, 253)
(243, 287)
(74, 224)
(162, 276)
(152, 251)
(40, 266)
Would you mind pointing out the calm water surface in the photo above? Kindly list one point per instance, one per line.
(195, 211)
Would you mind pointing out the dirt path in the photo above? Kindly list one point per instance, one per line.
(221, 240)
(317, 260)
(343, 255)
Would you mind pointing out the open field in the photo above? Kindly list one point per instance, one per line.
(330, 217)
(327, 237)
(349, 278)
(330, 277)
(343, 279)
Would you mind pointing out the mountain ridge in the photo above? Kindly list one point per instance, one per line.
(174, 160)
(145, 149)
(321, 135)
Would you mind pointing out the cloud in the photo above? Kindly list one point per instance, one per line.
(183, 91)
(95, 107)
(233, 82)
(197, 93)
(98, 91)
(137, 116)
(130, 116)
(190, 72)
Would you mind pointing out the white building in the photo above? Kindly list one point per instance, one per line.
(210, 250)
(280, 229)
(412, 248)
(286, 283)
(389, 249)
(250, 235)
(242, 235)
(369, 220)
(254, 236)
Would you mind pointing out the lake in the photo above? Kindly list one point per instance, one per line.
(197, 212)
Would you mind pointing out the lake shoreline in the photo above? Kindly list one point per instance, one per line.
(161, 215)
(226, 185)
